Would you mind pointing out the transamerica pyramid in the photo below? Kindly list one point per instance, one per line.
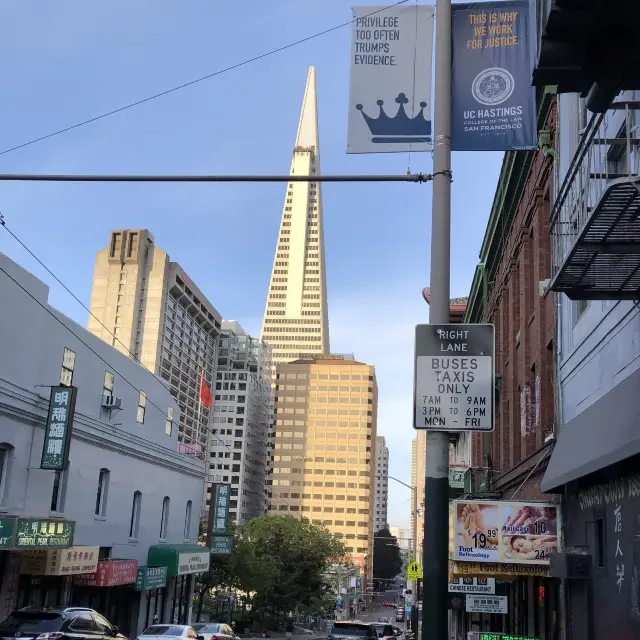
(296, 323)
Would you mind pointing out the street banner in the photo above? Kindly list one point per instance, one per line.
(493, 105)
(390, 89)
(57, 432)
(512, 532)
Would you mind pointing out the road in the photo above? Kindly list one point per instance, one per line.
(377, 610)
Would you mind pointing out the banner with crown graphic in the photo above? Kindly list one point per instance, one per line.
(493, 105)
(390, 89)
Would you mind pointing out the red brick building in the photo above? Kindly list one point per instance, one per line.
(509, 290)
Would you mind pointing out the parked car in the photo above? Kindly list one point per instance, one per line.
(400, 615)
(215, 631)
(165, 631)
(348, 630)
(383, 619)
(68, 623)
(385, 631)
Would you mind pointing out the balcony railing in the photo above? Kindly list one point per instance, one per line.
(595, 222)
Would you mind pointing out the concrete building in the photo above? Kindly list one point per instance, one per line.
(126, 491)
(147, 307)
(323, 456)
(402, 536)
(418, 474)
(239, 446)
(382, 484)
(296, 323)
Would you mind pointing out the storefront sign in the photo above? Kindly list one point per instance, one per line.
(222, 545)
(193, 562)
(456, 476)
(454, 377)
(149, 578)
(60, 562)
(38, 533)
(473, 585)
(487, 604)
(500, 569)
(220, 509)
(110, 573)
(57, 436)
(7, 532)
(517, 532)
(488, 635)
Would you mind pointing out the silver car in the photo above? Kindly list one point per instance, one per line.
(215, 631)
(166, 631)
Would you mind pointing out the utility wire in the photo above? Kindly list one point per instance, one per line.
(111, 367)
(196, 81)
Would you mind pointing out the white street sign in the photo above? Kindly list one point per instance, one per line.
(390, 88)
(454, 377)
(487, 604)
(473, 585)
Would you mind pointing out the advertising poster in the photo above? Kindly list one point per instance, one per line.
(390, 87)
(509, 532)
(492, 101)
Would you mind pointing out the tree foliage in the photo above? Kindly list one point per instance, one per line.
(387, 561)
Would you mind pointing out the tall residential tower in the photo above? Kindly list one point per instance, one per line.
(382, 483)
(296, 321)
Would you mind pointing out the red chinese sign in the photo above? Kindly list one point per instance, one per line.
(110, 573)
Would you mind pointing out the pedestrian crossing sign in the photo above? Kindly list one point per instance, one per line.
(414, 571)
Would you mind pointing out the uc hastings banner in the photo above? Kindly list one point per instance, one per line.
(390, 87)
(493, 105)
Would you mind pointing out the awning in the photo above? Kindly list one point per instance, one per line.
(603, 434)
(180, 559)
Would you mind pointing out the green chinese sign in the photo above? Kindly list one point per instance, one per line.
(57, 436)
(220, 509)
(7, 532)
(483, 635)
(221, 545)
(149, 578)
(44, 533)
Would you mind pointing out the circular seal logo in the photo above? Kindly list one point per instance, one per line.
(493, 86)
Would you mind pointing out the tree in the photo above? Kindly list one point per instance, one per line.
(387, 561)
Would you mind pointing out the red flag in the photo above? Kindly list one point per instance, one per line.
(205, 392)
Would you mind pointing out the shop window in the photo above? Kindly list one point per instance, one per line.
(101, 495)
(136, 507)
(164, 521)
(187, 520)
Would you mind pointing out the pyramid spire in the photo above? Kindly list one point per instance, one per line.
(296, 321)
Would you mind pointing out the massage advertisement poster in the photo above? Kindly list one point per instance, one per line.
(517, 532)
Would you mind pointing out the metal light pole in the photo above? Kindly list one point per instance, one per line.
(436, 517)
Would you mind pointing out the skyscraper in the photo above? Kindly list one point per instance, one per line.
(296, 321)
(382, 483)
(147, 307)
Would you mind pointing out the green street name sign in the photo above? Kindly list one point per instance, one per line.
(44, 533)
(7, 532)
(222, 545)
(149, 578)
(221, 509)
(483, 635)
(57, 436)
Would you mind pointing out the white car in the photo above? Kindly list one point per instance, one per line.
(165, 631)
(215, 631)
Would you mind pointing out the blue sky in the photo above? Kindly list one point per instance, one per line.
(73, 60)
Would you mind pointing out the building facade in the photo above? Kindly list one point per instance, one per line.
(324, 448)
(382, 484)
(126, 489)
(296, 322)
(147, 307)
(239, 446)
(402, 536)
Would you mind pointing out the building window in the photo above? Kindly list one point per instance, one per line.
(68, 362)
(136, 508)
(142, 405)
(579, 307)
(107, 387)
(5, 452)
(168, 425)
(187, 520)
(59, 491)
(164, 521)
(103, 490)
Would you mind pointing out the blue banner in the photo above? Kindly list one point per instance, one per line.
(493, 105)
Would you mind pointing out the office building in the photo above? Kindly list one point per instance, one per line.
(296, 321)
(147, 307)
(418, 470)
(122, 498)
(243, 404)
(382, 483)
(402, 536)
(324, 456)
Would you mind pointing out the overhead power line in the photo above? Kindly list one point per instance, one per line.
(192, 82)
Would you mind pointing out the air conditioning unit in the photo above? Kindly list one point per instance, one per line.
(111, 402)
